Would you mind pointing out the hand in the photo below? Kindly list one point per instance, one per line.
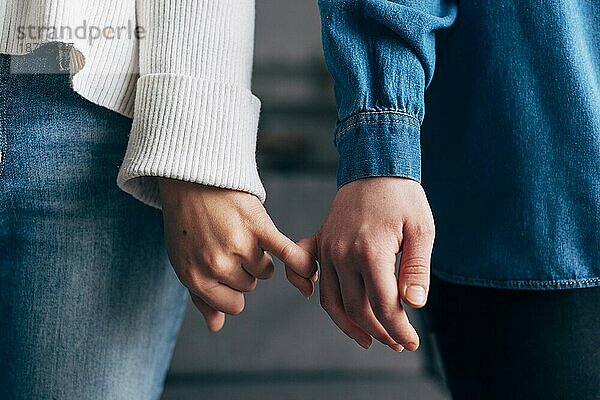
(217, 241)
(370, 221)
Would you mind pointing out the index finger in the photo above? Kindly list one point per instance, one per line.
(299, 260)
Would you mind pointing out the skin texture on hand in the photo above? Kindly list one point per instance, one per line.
(217, 240)
(370, 221)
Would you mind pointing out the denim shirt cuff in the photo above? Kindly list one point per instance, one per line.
(378, 143)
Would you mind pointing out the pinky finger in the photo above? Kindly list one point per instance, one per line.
(305, 286)
(214, 319)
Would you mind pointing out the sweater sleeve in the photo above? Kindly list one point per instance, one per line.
(381, 55)
(195, 116)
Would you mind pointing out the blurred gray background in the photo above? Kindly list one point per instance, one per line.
(283, 346)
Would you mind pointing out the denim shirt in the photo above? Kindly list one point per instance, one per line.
(510, 144)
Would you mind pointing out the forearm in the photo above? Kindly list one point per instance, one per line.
(195, 116)
(381, 55)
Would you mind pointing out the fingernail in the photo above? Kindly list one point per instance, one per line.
(315, 277)
(309, 293)
(412, 346)
(416, 295)
(396, 347)
(364, 345)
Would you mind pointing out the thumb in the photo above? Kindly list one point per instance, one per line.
(415, 260)
(295, 257)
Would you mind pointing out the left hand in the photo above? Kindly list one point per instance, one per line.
(217, 240)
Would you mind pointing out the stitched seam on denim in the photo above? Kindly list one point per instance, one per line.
(381, 112)
(3, 138)
(4, 81)
(520, 282)
(384, 121)
(410, 176)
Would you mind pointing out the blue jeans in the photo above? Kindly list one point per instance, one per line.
(89, 305)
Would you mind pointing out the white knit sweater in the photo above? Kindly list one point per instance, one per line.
(194, 116)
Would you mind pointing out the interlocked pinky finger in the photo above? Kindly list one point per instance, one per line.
(304, 285)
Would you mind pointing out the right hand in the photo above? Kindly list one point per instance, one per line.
(217, 240)
(370, 221)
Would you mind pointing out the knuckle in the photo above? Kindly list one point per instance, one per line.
(362, 250)
(256, 215)
(216, 264)
(239, 249)
(368, 255)
(213, 270)
(366, 251)
(188, 277)
(415, 267)
(287, 252)
(239, 243)
(339, 252)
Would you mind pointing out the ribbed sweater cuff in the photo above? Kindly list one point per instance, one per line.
(193, 130)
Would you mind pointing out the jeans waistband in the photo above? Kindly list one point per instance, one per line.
(50, 58)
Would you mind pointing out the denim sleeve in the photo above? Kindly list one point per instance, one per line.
(381, 55)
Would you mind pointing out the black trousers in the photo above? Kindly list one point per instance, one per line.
(517, 344)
